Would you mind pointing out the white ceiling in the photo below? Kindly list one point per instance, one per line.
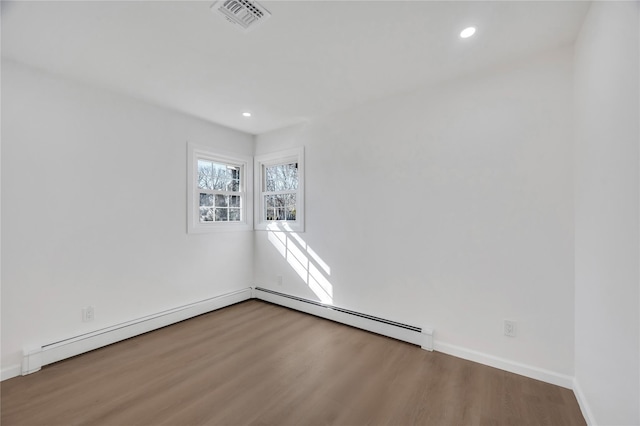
(310, 58)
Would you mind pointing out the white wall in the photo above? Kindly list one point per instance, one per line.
(607, 353)
(94, 211)
(449, 208)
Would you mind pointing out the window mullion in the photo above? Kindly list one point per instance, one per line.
(279, 192)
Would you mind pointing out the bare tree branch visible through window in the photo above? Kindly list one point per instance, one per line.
(281, 179)
(216, 205)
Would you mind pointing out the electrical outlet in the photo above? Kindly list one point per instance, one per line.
(510, 328)
(88, 314)
(279, 279)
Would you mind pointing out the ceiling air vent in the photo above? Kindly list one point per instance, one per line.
(244, 14)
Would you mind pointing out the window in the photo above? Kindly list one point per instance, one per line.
(279, 189)
(218, 193)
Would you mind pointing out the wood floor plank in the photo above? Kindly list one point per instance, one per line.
(255, 363)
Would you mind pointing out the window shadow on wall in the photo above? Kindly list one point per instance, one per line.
(303, 260)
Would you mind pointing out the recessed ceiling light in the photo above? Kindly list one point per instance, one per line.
(246, 114)
(468, 32)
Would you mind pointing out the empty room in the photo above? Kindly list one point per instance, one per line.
(320, 212)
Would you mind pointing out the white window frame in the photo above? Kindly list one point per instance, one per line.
(272, 159)
(195, 153)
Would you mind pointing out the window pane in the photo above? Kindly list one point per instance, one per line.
(233, 185)
(221, 215)
(234, 215)
(205, 169)
(233, 175)
(221, 200)
(280, 207)
(206, 200)
(206, 214)
(280, 200)
(269, 201)
(234, 201)
(291, 213)
(233, 172)
(220, 178)
(283, 177)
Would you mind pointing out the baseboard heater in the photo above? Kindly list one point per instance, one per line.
(407, 333)
(35, 358)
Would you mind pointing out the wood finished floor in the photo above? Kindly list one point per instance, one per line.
(259, 364)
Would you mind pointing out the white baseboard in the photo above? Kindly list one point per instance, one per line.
(582, 402)
(506, 364)
(10, 372)
(416, 335)
(35, 358)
